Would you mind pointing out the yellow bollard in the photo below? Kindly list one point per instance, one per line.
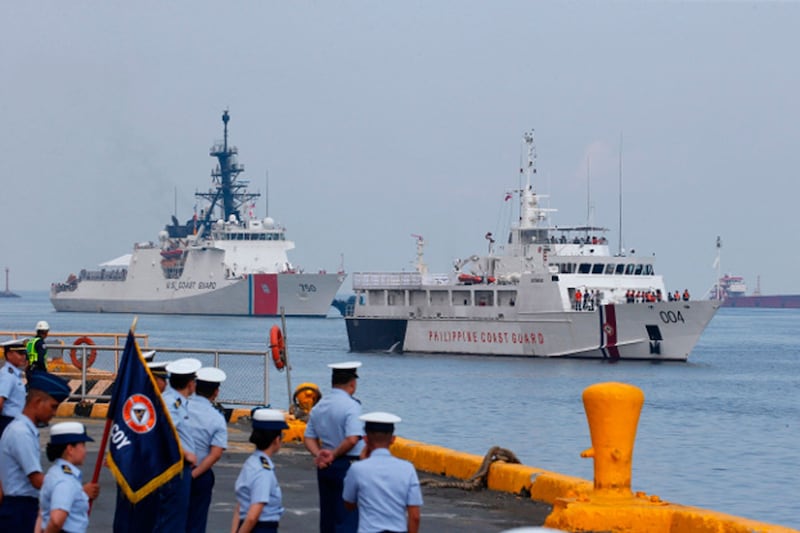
(612, 410)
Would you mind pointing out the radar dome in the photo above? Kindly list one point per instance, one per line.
(162, 235)
(269, 223)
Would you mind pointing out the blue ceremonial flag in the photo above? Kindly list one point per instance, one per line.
(144, 451)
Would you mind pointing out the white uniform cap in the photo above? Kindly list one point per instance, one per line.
(68, 433)
(269, 419)
(15, 344)
(158, 369)
(148, 356)
(211, 374)
(379, 421)
(347, 365)
(184, 367)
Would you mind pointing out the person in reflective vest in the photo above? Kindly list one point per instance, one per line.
(37, 349)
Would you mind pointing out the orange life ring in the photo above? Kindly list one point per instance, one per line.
(278, 347)
(73, 353)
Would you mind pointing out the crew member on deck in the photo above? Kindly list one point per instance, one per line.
(12, 389)
(210, 434)
(333, 436)
(37, 349)
(383, 488)
(21, 474)
(64, 500)
(259, 502)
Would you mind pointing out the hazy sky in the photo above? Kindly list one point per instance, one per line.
(376, 120)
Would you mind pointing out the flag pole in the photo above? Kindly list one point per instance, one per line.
(104, 440)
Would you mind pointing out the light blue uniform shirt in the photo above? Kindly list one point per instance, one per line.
(62, 489)
(382, 486)
(12, 389)
(178, 406)
(257, 484)
(208, 426)
(19, 457)
(334, 418)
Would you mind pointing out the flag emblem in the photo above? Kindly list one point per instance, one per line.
(139, 413)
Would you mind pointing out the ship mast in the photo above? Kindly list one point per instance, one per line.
(230, 192)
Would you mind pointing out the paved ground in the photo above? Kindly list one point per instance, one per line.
(444, 510)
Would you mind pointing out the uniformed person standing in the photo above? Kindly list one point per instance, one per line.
(210, 433)
(64, 500)
(259, 504)
(37, 349)
(21, 474)
(333, 436)
(141, 517)
(383, 488)
(173, 505)
(12, 389)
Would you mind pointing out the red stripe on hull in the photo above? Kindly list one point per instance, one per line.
(610, 332)
(265, 294)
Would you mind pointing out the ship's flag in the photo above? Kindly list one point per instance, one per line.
(508, 197)
(144, 451)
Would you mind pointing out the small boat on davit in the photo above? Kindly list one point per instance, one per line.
(225, 261)
(552, 291)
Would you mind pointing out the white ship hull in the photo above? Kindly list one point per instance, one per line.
(665, 331)
(256, 295)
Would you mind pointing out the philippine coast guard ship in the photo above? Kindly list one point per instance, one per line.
(522, 299)
(222, 262)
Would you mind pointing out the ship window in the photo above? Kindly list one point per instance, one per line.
(419, 298)
(461, 298)
(506, 298)
(584, 268)
(396, 298)
(638, 271)
(620, 269)
(439, 298)
(375, 297)
(598, 268)
(484, 298)
(610, 268)
(629, 269)
(648, 270)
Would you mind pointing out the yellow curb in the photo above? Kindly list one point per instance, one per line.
(603, 513)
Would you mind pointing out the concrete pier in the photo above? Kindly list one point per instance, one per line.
(446, 510)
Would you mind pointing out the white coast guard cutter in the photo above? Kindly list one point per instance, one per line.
(232, 265)
(520, 299)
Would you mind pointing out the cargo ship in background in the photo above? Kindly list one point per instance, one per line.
(547, 291)
(732, 290)
(225, 261)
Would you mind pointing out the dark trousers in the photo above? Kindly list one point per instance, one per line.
(18, 513)
(173, 503)
(138, 518)
(199, 502)
(263, 527)
(333, 517)
(4, 421)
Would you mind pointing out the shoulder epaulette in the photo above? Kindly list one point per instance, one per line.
(66, 469)
(10, 371)
(356, 399)
(265, 463)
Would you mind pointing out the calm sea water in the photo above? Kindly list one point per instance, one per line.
(720, 432)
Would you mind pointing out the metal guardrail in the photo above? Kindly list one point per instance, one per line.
(244, 386)
(236, 382)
